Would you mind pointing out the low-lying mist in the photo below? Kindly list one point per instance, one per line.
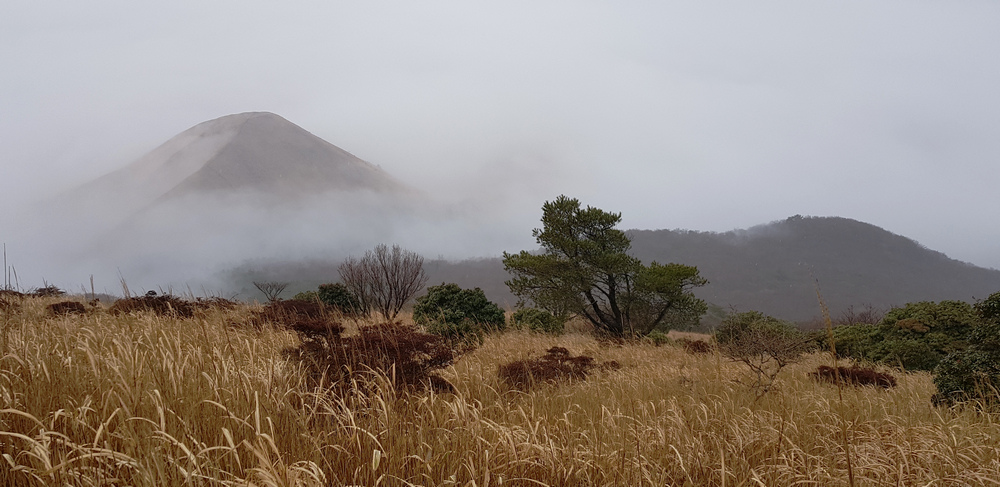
(196, 242)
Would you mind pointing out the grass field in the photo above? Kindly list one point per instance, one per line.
(138, 399)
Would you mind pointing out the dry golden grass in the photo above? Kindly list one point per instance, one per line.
(138, 399)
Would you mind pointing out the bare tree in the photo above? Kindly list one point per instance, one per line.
(384, 279)
(867, 314)
(270, 289)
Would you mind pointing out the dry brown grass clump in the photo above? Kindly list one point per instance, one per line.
(854, 375)
(165, 305)
(63, 308)
(10, 293)
(215, 302)
(556, 365)
(10, 301)
(697, 347)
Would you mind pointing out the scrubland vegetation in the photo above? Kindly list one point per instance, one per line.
(581, 385)
(214, 398)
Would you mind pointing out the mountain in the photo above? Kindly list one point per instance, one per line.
(775, 268)
(244, 186)
(255, 152)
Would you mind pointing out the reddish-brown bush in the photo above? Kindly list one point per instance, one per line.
(292, 314)
(855, 376)
(408, 356)
(66, 308)
(556, 365)
(165, 305)
(696, 347)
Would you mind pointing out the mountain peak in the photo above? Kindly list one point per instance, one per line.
(253, 151)
(268, 153)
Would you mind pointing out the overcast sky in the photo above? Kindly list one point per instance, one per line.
(701, 115)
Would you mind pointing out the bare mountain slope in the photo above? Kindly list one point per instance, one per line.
(270, 154)
(256, 151)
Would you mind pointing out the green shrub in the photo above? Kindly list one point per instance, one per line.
(857, 341)
(306, 296)
(974, 372)
(658, 338)
(538, 320)
(915, 337)
(340, 298)
(458, 314)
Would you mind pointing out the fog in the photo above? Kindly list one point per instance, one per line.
(708, 116)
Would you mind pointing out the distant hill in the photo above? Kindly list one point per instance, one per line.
(773, 268)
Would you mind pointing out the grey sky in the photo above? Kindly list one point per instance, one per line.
(702, 115)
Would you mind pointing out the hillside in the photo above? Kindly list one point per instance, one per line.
(773, 268)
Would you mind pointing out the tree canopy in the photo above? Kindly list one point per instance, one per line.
(585, 268)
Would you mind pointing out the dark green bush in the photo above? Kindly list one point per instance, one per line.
(914, 337)
(538, 320)
(458, 314)
(857, 341)
(974, 372)
(340, 298)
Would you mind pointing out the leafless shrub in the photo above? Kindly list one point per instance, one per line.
(866, 314)
(271, 289)
(765, 348)
(384, 279)
(166, 305)
(696, 347)
(556, 365)
(63, 308)
(855, 376)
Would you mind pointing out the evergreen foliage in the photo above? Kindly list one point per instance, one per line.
(974, 373)
(458, 314)
(585, 268)
(340, 298)
(538, 320)
(915, 337)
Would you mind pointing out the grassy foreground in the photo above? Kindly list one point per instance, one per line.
(145, 400)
